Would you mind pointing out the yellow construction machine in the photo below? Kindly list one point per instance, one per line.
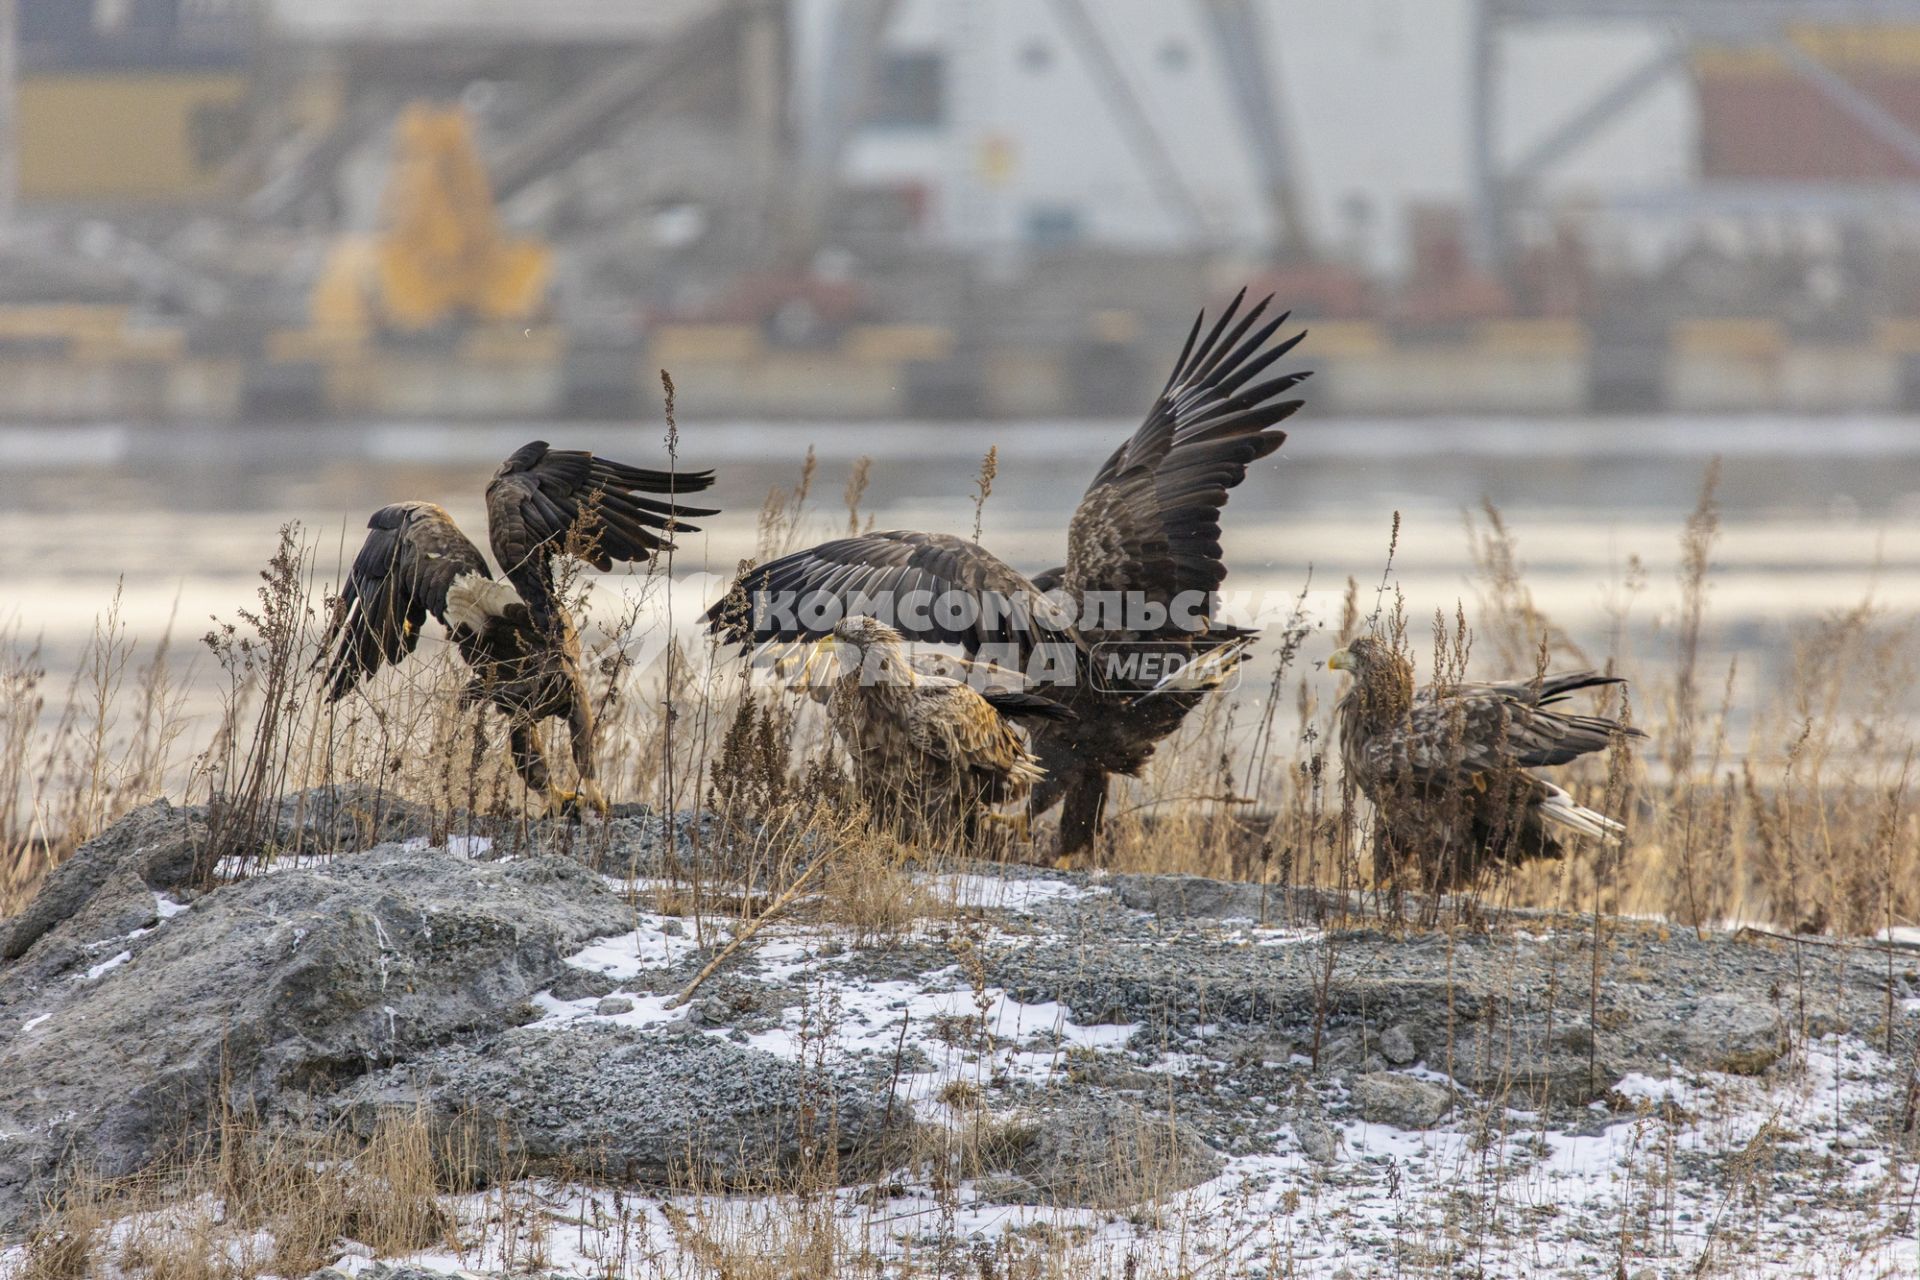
(442, 255)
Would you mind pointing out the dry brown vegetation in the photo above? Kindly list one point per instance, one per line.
(1793, 808)
(1789, 805)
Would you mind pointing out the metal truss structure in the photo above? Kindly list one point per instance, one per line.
(1502, 188)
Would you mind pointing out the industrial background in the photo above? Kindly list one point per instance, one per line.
(250, 210)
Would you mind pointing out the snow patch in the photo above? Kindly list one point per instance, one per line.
(108, 966)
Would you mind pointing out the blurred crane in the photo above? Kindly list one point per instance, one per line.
(443, 254)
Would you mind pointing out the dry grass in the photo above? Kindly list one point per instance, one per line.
(1794, 806)
(241, 1199)
(1791, 804)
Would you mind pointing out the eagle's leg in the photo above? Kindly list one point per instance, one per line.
(580, 726)
(1086, 804)
(530, 755)
(1046, 793)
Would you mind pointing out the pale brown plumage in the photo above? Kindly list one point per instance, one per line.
(520, 645)
(1145, 532)
(931, 755)
(1448, 768)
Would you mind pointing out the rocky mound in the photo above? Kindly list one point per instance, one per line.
(1119, 1038)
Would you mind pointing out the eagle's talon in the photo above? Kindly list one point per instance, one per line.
(566, 804)
(591, 794)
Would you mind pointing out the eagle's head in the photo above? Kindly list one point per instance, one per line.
(1363, 655)
(866, 645)
(1382, 677)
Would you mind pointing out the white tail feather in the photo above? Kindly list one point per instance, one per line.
(472, 600)
(1208, 671)
(1558, 807)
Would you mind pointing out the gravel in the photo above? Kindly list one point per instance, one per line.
(1150, 1031)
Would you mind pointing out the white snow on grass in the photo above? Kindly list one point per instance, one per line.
(166, 908)
(458, 846)
(1782, 1175)
(1767, 1178)
(31, 1023)
(624, 955)
(1789, 1174)
(246, 866)
(844, 1014)
(1006, 893)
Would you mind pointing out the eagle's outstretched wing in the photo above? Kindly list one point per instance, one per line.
(406, 567)
(540, 494)
(1470, 729)
(1150, 521)
(931, 587)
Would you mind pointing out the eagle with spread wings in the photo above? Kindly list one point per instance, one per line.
(1448, 768)
(1125, 630)
(515, 636)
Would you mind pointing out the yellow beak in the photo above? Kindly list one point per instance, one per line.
(805, 662)
(1342, 660)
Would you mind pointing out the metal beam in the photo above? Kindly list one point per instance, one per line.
(1582, 126)
(1489, 230)
(568, 128)
(1110, 79)
(1254, 85)
(1861, 108)
(833, 114)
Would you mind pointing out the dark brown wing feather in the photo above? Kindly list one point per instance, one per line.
(801, 596)
(1018, 704)
(412, 554)
(1150, 521)
(1478, 728)
(539, 494)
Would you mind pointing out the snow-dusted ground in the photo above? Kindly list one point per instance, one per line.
(1789, 1174)
(1681, 1174)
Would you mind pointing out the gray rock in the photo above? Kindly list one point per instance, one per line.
(1727, 1033)
(620, 1103)
(277, 986)
(613, 1005)
(1386, 1097)
(347, 817)
(1396, 1045)
(575, 983)
(1517, 1064)
(1104, 1154)
(1194, 897)
(112, 878)
(1316, 1138)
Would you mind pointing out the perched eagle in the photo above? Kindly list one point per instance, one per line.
(1447, 768)
(1126, 626)
(517, 639)
(931, 754)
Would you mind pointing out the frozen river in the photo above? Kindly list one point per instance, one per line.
(1817, 512)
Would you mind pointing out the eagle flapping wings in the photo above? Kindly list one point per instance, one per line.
(541, 504)
(1142, 572)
